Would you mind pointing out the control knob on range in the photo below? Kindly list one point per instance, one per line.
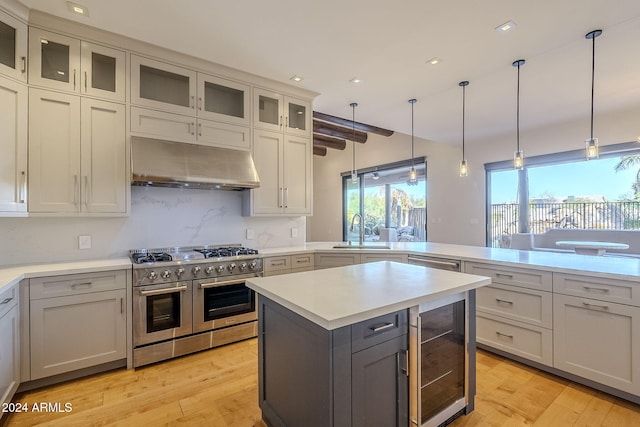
(165, 274)
(232, 266)
(195, 270)
(152, 275)
(179, 272)
(243, 266)
(253, 265)
(209, 270)
(220, 269)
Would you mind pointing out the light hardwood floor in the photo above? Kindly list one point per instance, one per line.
(219, 388)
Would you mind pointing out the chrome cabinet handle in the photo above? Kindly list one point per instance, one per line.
(121, 305)
(86, 285)
(23, 187)
(200, 103)
(436, 262)
(500, 334)
(590, 288)
(199, 129)
(164, 291)
(85, 81)
(286, 197)
(74, 79)
(595, 306)
(281, 197)
(382, 327)
(75, 190)
(23, 59)
(193, 102)
(280, 123)
(6, 301)
(86, 190)
(506, 276)
(504, 301)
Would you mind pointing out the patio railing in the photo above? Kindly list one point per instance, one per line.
(543, 216)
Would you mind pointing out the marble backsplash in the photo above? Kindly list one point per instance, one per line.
(159, 217)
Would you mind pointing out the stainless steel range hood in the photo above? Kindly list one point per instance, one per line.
(156, 162)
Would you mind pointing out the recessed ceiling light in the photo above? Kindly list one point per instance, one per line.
(356, 80)
(506, 27)
(434, 61)
(296, 79)
(77, 8)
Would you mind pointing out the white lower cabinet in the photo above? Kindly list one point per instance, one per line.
(598, 340)
(335, 259)
(76, 321)
(10, 344)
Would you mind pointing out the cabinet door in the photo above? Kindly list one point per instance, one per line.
(380, 385)
(297, 114)
(224, 135)
(54, 152)
(54, 60)
(297, 175)
(103, 157)
(224, 100)
(163, 125)
(103, 71)
(267, 110)
(164, 86)
(9, 355)
(13, 47)
(267, 155)
(13, 146)
(76, 332)
(597, 340)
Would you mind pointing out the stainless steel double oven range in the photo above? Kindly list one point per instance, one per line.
(187, 299)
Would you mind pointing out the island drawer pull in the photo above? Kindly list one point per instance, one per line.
(6, 301)
(85, 285)
(504, 275)
(591, 288)
(503, 301)
(382, 327)
(500, 334)
(595, 306)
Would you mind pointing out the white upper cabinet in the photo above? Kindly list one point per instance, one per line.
(163, 86)
(279, 113)
(13, 146)
(13, 47)
(224, 100)
(66, 63)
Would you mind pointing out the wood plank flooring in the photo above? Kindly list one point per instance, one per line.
(219, 388)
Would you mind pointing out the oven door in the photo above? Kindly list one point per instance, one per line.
(161, 312)
(220, 303)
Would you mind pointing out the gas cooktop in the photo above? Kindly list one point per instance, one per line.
(189, 253)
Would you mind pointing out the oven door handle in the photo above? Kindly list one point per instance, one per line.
(224, 283)
(164, 291)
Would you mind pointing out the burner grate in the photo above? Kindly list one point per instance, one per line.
(228, 251)
(144, 257)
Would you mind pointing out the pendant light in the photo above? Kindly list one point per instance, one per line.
(518, 155)
(464, 170)
(413, 176)
(354, 172)
(592, 143)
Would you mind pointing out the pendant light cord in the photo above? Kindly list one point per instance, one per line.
(518, 111)
(593, 70)
(353, 141)
(412, 132)
(464, 86)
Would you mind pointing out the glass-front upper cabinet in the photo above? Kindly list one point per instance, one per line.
(13, 47)
(66, 63)
(297, 116)
(164, 86)
(279, 113)
(223, 100)
(267, 110)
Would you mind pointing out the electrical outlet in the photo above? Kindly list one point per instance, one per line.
(294, 232)
(84, 241)
(250, 234)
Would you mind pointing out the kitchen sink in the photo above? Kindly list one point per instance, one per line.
(373, 246)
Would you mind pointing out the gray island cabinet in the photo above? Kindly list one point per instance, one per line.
(336, 346)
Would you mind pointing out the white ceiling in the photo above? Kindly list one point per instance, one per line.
(387, 43)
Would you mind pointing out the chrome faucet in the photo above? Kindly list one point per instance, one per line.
(361, 227)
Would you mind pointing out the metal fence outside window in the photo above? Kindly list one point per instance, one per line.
(543, 216)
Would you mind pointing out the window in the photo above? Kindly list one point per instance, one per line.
(564, 190)
(393, 210)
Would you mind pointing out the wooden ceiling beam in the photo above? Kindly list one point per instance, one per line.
(339, 131)
(328, 142)
(348, 123)
(319, 151)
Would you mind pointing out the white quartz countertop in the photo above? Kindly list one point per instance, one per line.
(341, 296)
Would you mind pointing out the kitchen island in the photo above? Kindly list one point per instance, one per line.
(334, 344)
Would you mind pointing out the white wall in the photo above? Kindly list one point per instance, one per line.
(159, 217)
(455, 205)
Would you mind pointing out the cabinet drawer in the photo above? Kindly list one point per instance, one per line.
(76, 284)
(383, 257)
(523, 277)
(597, 288)
(529, 342)
(8, 299)
(524, 305)
(377, 330)
(278, 263)
(328, 260)
(302, 261)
